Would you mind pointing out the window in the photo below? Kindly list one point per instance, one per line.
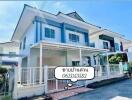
(73, 38)
(75, 63)
(49, 33)
(11, 54)
(24, 43)
(105, 44)
(116, 46)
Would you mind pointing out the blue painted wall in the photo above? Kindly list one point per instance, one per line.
(62, 26)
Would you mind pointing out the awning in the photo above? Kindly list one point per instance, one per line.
(65, 46)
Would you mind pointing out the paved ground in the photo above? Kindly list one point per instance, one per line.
(117, 90)
(68, 93)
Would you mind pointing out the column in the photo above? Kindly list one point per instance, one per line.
(41, 63)
(121, 67)
(46, 79)
(80, 56)
(15, 82)
(108, 66)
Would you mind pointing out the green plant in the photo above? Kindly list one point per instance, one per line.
(3, 70)
(113, 60)
(130, 64)
(6, 98)
(116, 58)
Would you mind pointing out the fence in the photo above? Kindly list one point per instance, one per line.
(30, 76)
(114, 69)
(53, 83)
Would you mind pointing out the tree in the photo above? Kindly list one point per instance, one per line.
(116, 58)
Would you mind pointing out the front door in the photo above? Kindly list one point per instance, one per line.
(75, 63)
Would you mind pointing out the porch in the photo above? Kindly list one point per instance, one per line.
(36, 76)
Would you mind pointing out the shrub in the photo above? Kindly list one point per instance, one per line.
(119, 57)
(6, 98)
(130, 64)
(3, 70)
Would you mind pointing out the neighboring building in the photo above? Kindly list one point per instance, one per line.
(128, 48)
(47, 41)
(8, 52)
(105, 39)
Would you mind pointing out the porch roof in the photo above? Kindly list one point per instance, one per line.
(65, 46)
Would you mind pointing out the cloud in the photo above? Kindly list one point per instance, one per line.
(61, 6)
(10, 13)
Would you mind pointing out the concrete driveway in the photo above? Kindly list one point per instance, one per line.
(116, 91)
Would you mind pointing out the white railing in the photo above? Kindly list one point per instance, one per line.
(100, 71)
(30, 76)
(114, 69)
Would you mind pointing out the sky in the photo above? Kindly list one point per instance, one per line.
(115, 15)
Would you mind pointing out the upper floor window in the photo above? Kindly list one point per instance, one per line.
(49, 33)
(116, 46)
(106, 45)
(24, 43)
(73, 38)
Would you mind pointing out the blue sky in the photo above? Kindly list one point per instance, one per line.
(115, 15)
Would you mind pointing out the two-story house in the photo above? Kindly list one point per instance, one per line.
(47, 41)
(9, 54)
(51, 40)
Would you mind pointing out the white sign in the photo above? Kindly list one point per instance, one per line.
(74, 73)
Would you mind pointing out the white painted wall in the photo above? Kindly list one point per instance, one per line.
(30, 38)
(98, 42)
(130, 49)
(94, 39)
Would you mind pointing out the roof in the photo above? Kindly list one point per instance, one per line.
(75, 15)
(72, 16)
(32, 12)
(9, 43)
(107, 32)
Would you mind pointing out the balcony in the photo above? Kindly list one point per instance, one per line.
(112, 49)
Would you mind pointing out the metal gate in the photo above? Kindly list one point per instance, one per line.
(58, 85)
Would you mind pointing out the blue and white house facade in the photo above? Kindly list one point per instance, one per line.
(47, 41)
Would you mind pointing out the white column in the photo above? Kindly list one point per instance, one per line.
(41, 63)
(80, 56)
(108, 66)
(121, 67)
(46, 78)
(92, 60)
(19, 70)
(15, 83)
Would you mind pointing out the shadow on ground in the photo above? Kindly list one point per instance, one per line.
(123, 88)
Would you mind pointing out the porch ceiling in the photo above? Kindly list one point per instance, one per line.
(64, 47)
